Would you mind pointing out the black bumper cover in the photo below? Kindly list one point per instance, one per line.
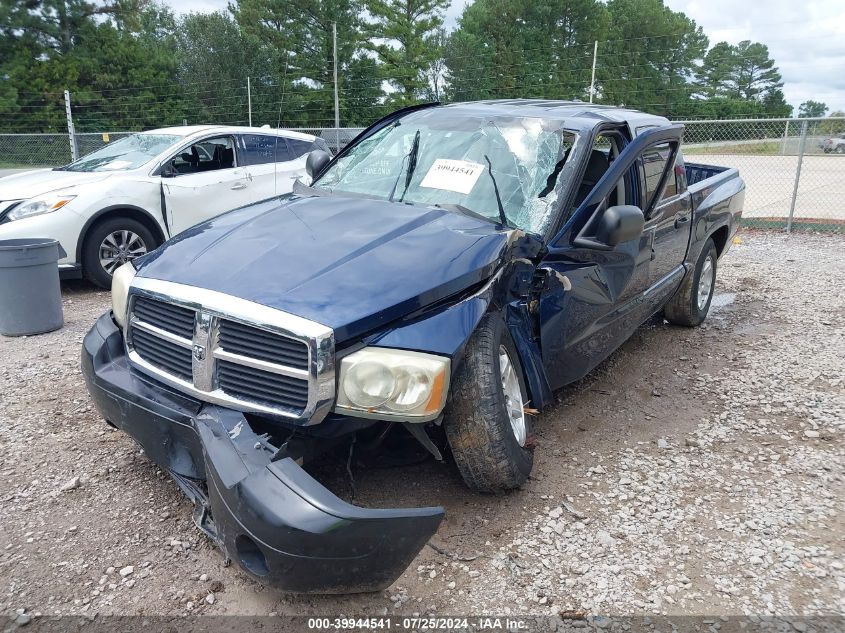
(277, 522)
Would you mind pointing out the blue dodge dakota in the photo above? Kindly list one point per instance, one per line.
(451, 267)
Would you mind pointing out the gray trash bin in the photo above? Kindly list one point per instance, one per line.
(30, 295)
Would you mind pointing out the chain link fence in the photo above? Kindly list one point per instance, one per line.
(794, 169)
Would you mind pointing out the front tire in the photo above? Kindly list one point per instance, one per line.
(111, 243)
(690, 305)
(485, 423)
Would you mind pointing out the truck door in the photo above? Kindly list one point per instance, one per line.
(668, 214)
(594, 288)
(203, 181)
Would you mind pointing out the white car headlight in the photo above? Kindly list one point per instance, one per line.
(120, 282)
(390, 384)
(39, 206)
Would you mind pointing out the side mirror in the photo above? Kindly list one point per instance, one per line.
(316, 162)
(620, 224)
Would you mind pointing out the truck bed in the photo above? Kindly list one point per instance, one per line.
(696, 172)
(715, 189)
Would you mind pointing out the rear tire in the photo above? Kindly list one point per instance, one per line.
(487, 429)
(690, 305)
(111, 243)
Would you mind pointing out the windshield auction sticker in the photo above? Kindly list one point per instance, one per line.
(446, 174)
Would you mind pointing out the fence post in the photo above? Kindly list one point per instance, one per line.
(802, 143)
(249, 100)
(785, 137)
(74, 153)
(336, 99)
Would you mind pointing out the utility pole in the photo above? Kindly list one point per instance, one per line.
(249, 100)
(71, 133)
(336, 98)
(593, 77)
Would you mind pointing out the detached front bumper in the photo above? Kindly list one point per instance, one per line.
(277, 522)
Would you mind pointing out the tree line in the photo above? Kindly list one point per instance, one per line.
(133, 64)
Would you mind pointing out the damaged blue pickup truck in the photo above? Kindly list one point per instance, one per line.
(440, 277)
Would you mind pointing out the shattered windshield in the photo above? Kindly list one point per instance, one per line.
(127, 153)
(505, 168)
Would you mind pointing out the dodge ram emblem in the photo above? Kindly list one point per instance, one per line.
(199, 352)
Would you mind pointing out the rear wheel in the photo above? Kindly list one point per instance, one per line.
(691, 303)
(112, 243)
(486, 425)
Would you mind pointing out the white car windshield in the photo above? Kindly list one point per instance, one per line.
(505, 168)
(127, 153)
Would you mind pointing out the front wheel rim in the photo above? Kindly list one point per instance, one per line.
(705, 282)
(119, 247)
(512, 393)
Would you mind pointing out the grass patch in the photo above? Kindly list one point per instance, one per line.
(815, 225)
(763, 148)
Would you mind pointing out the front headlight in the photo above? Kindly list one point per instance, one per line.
(392, 384)
(38, 206)
(120, 282)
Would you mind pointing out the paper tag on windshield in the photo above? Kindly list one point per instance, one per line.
(446, 174)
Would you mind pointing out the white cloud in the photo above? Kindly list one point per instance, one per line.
(804, 38)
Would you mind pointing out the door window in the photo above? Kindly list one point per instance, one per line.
(652, 165)
(605, 149)
(206, 155)
(298, 147)
(260, 149)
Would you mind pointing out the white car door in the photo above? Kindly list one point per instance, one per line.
(273, 163)
(203, 181)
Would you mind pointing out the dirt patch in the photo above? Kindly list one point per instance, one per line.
(696, 471)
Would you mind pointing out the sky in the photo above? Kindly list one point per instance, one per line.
(804, 38)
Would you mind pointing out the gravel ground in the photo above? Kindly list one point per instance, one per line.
(697, 471)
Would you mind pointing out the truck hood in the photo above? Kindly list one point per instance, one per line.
(29, 184)
(349, 263)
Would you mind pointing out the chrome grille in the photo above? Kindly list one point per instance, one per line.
(249, 341)
(166, 356)
(262, 386)
(172, 318)
(225, 350)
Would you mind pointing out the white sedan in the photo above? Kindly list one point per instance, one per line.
(126, 198)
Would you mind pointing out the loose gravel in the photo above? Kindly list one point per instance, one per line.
(696, 472)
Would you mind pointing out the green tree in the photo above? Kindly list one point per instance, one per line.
(300, 33)
(126, 71)
(435, 73)
(833, 124)
(812, 109)
(362, 102)
(116, 58)
(744, 71)
(215, 58)
(744, 75)
(523, 48)
(56, 25)
(401, 33)
(649, 57)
